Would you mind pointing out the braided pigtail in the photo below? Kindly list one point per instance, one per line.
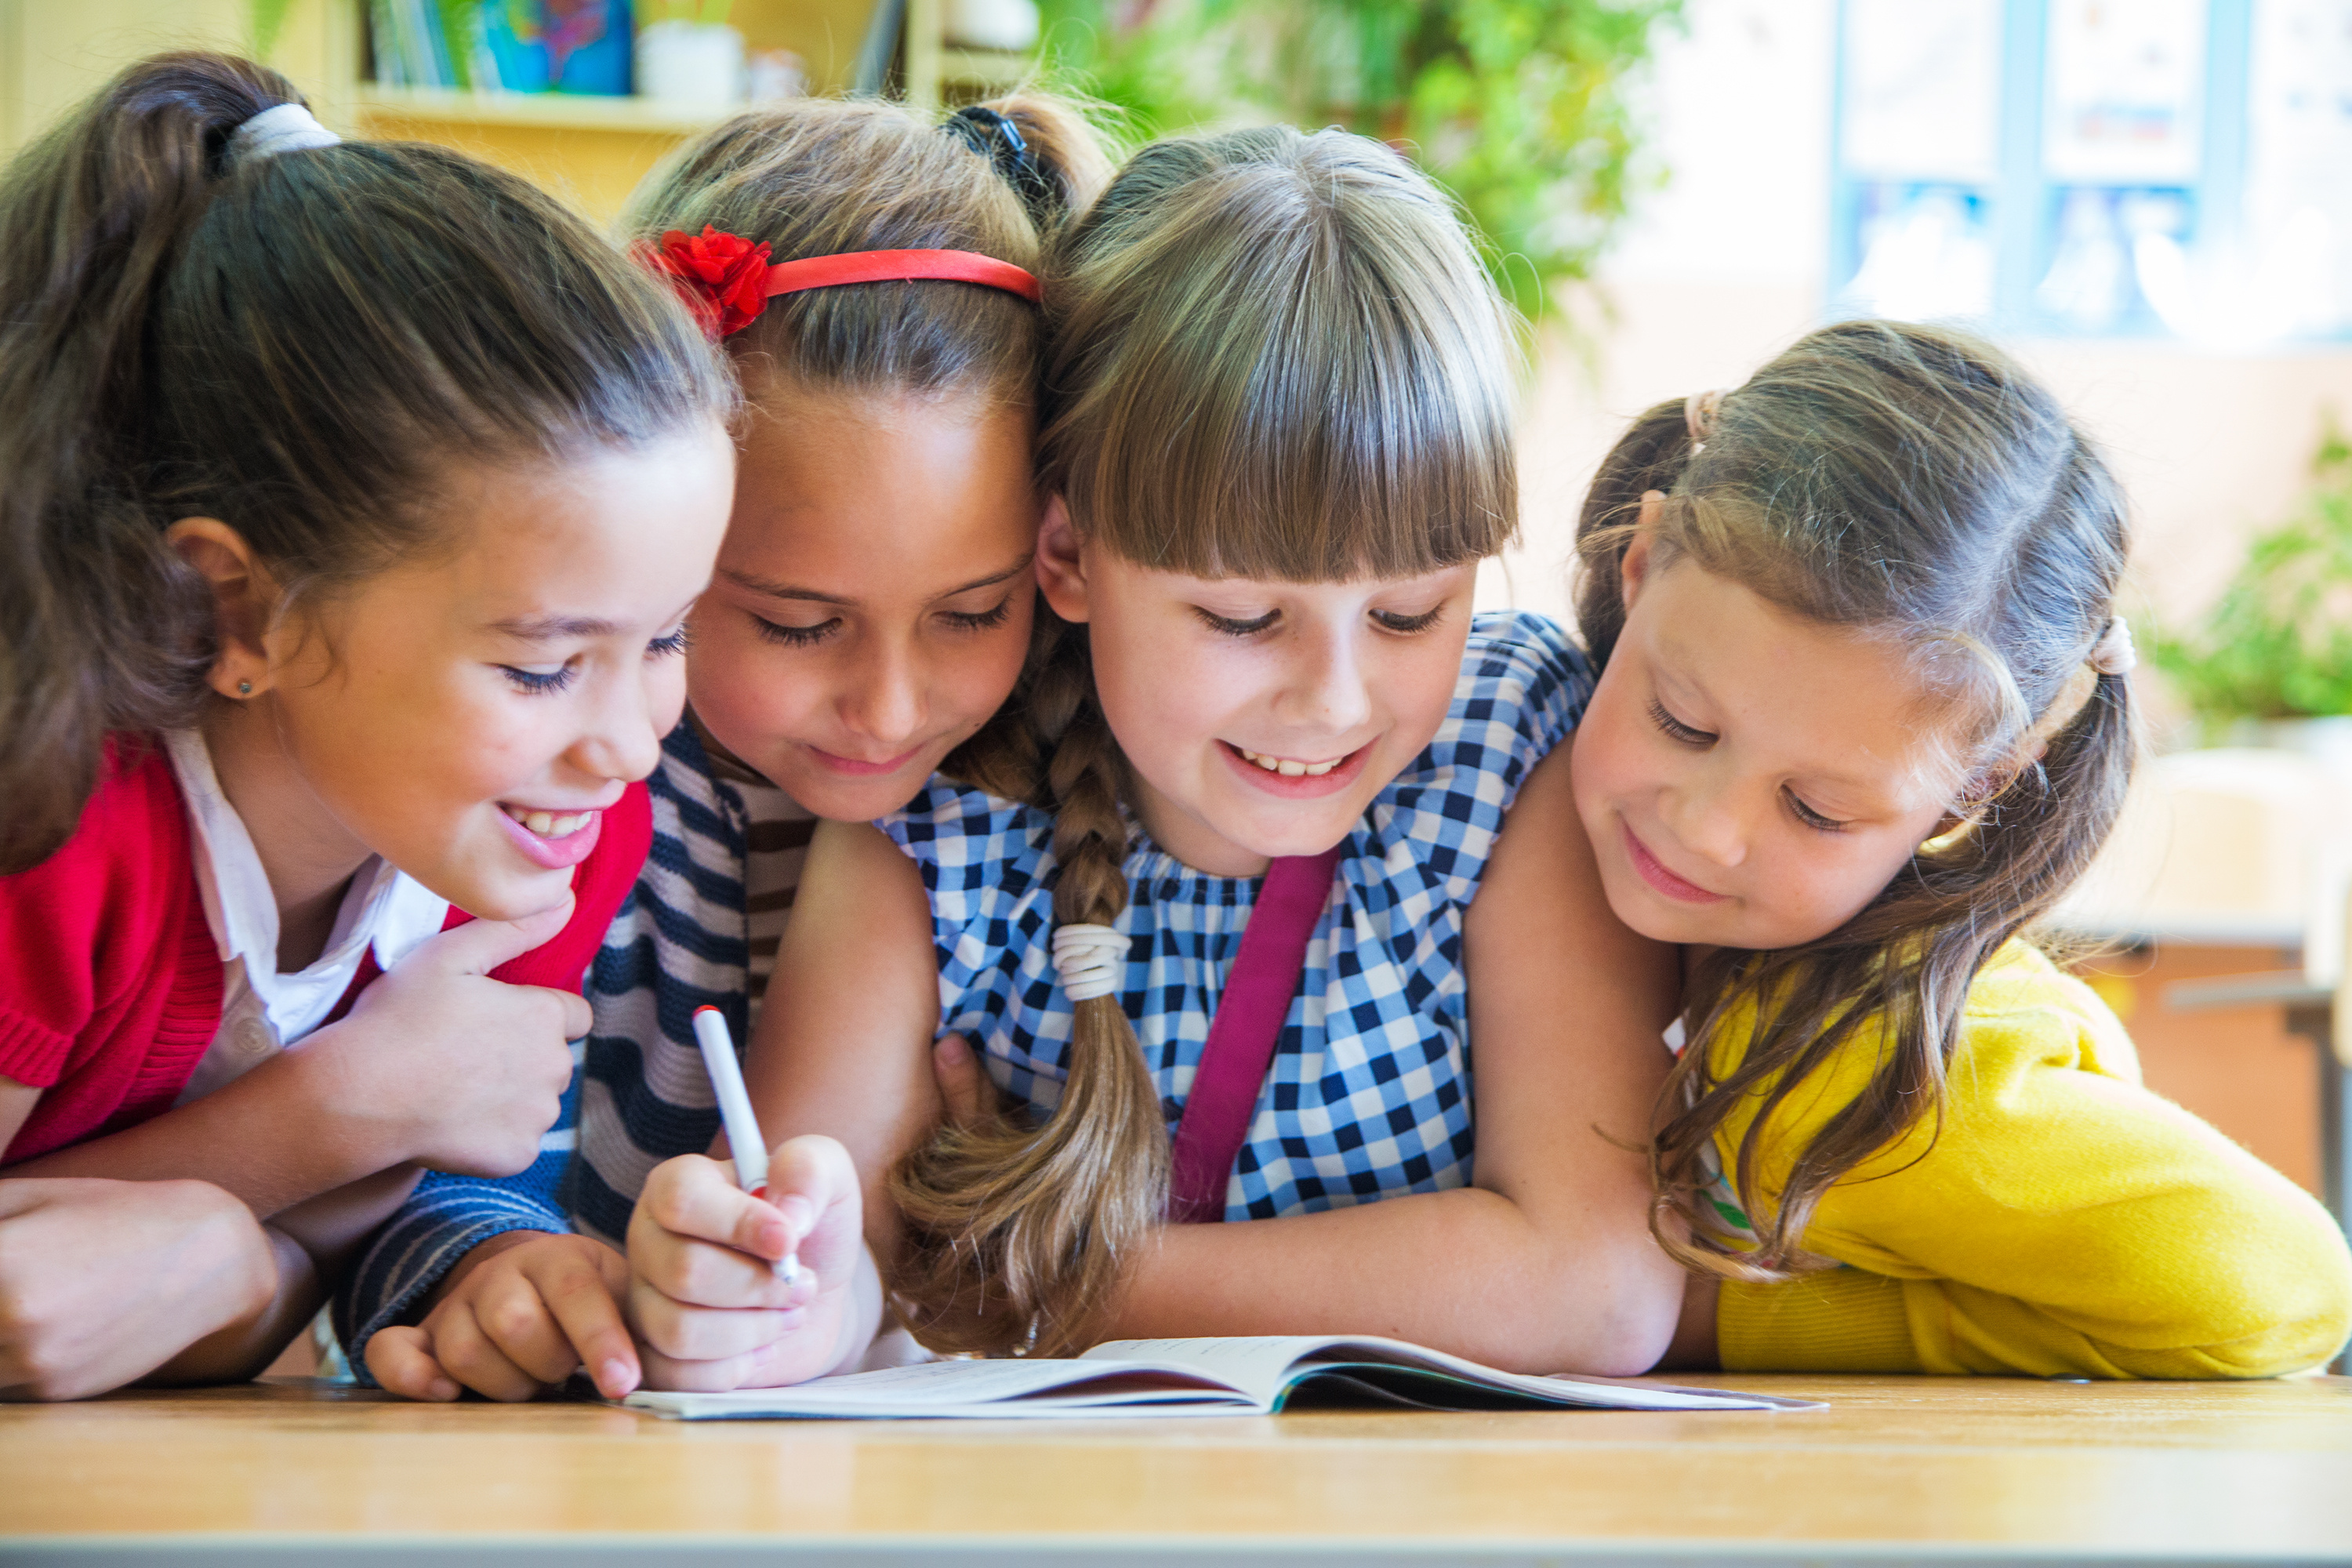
(1016, 1234)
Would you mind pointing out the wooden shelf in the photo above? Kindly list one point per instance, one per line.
(537, 110)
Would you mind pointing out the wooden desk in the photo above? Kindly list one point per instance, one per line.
(1895, 1470)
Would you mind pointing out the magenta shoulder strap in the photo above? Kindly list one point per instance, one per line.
(1241, 1035)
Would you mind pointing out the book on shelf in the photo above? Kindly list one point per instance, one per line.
(502, 46)
(1130, 1378)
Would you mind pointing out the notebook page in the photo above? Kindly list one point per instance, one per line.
(1262, 1365)
(963, 1388)
(1589, 1392)
(1258, 1364)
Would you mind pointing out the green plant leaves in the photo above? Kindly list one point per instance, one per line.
(2277, 644)
(1517, 106)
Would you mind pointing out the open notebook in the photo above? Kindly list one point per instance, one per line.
(1190, 1377)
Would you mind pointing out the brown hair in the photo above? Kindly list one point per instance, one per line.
(1913, 484)
(298, 345)
(1272, 356)
(824, 176)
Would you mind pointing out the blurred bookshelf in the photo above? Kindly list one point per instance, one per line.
(593, 149)
(547, 111)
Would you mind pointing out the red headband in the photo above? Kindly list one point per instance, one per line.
(727, 279)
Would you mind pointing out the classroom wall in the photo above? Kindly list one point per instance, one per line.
(1728, 260)
(53, 53)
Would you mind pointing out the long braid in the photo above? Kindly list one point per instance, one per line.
(1016, 1236)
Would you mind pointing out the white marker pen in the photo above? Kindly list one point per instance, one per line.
(743, 1139)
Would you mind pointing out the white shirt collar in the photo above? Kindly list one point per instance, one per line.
(384, 907)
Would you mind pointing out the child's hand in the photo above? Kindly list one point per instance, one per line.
(704, 1296)
(443, 1066)
(967, 1096)
(102, 1282)
(519, 1314)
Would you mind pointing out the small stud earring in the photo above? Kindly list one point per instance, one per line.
(245, 689)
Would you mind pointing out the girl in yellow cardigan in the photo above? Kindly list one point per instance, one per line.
(1863, 720)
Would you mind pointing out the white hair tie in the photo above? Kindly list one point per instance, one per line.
(1092, 961)
(2114, 654)
(287, 127)
(1698, 416)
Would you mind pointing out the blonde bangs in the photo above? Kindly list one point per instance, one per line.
(1291, 375)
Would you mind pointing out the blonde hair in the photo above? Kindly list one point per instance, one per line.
(827, 176)
(1272, 356)
(1913, 484)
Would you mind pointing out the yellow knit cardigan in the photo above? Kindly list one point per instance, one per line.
(2063, 1222)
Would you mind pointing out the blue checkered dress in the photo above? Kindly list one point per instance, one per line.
(1368, 1095)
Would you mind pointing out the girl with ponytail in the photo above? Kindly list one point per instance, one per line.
(1202, 900)
(356, 495)
(872, 274)
(1863, 719)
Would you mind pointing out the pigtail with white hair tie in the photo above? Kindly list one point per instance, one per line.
(1091, 961)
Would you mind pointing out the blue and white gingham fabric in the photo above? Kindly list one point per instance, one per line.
(1368, 1095)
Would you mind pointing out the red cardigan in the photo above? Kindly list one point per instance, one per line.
(110, 977)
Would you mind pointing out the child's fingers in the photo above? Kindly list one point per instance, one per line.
(964, 1088)
(467, 1353)
(813, 1182)
(590, 1321)
(744, 1371)
(523, 1326)
(479, 946)
(697, 1198)
(576, 1017)
(401, 1360)
(671, 1328)
(701, 1274)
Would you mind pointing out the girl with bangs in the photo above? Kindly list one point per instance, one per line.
(1215, 902)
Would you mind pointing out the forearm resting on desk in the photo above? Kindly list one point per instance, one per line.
(102, 1283)
(1467, 1271)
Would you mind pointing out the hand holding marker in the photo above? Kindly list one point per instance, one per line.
(743, 1139)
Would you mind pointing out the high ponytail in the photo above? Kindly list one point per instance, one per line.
(101, 626)
(1912, 485)
(303, 344)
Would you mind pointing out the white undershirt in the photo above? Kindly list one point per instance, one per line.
(262, 1010)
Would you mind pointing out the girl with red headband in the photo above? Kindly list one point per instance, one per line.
(872, 274)
(356, 496)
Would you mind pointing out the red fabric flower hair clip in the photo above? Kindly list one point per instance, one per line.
(723, 278)
(728, 281)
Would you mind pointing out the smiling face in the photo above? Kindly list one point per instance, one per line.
(873, 599)
(1748, 778)
(1259, 718)
(470, 717)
